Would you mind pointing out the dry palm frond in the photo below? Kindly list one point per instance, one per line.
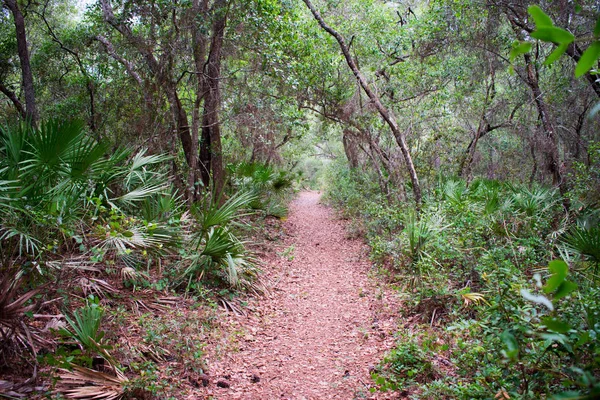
(129, 274)
(13, 329)
(154, 353)
(81, 263)
(97, 287)
(142, 307)
(169, 301)
(474, 297)
(87, 384)
(231, 305)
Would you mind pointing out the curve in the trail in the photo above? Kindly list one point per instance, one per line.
(323, 325)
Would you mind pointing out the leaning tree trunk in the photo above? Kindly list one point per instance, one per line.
(386, 114)
(27, 76)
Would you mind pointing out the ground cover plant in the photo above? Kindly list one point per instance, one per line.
(494, 308)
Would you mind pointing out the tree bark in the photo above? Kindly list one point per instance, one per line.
(211, 153)
(14, 99)
(386, 114)
(350, 149)
(550, 148)
(199, 7)
(23, 51)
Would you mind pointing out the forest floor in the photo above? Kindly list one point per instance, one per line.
(326, 320)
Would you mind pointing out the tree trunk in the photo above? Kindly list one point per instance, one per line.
(27, 76)
(211, 154)
(386, 114)
(350, 149)
(199, 48)
(549, 145)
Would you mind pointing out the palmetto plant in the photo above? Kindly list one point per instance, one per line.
(455, 193)
(583, 241)
(85, 329)
(85, 325)
(268, 185)
(48, 174)
(420, 232)
(532, 202)
(218, 252)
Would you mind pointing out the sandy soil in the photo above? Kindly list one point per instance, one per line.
(324, 324)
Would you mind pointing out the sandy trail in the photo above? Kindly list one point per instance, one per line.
(323, 324)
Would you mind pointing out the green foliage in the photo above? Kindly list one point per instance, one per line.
(502, 339)
(85, 326)
(546, 31)
(218, 253)
(408, 363)
(420, 232)
(584, 243)
(270, 188)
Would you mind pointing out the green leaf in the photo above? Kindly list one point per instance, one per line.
(539, 17)
(551, 338)
(519, 48)
(555, 55)
(512, 347)
(588, 59)
(553, 34)
(564, 289)
(559, 270)
(597, 28)
(556, 325)
(583, 338)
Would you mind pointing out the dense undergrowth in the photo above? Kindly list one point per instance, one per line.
(105, 240)
(500, 286)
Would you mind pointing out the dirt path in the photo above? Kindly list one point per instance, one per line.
(323, 324)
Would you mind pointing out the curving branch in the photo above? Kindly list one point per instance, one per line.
(386, 114)
(14, 99)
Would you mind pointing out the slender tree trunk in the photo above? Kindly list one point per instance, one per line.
(211, 151)
(386, 114)
(549, 145)
(482, 129)
(381, 180)
(199, 7)
(465, 167)
(23, 51)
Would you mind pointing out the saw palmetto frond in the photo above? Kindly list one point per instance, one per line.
(87, 384)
